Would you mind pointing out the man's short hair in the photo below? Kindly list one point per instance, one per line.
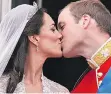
(95, 9)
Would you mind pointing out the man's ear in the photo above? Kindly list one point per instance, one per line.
(85, 21)
(34, 39)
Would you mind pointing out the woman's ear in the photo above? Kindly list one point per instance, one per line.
(85, 21)
(34, 39)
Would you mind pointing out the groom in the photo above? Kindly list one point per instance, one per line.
(86, 29)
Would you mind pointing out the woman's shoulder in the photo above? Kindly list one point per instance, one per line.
(3, 83)
(54, 86)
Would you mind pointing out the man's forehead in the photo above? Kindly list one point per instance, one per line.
(64, 13)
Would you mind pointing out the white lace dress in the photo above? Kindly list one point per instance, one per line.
(48, 86)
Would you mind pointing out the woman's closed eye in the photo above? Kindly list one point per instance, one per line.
(53, 29)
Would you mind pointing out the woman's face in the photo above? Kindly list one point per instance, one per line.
(49, 38)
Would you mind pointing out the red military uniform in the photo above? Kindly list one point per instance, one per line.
(93, 79)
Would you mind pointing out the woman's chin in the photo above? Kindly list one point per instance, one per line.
(57, 54)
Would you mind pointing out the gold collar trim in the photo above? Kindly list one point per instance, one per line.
(101, 55)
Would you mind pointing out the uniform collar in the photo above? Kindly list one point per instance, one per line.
(101, 55)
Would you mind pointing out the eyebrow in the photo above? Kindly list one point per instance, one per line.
(52, 24)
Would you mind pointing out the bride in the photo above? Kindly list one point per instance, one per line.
(28, 37)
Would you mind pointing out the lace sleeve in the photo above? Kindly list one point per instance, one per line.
(59, 88)
(53, 87)
(3, 83)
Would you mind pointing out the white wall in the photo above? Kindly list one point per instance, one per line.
(5, 6)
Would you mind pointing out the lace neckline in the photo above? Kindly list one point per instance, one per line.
(22, 83)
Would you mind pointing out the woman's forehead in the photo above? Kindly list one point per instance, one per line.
(47, 19)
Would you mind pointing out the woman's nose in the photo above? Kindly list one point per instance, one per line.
(59, 35)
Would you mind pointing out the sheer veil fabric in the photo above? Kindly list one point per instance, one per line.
(11, 28)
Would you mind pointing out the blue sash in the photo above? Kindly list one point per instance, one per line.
(105, 86)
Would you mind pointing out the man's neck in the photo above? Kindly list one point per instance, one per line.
(92, 45)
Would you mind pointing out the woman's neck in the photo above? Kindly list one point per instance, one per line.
(33, 68)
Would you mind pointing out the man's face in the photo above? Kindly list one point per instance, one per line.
(72, 33)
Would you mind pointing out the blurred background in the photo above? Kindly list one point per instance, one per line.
(61, 70)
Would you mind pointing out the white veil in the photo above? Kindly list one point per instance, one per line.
(11, 28)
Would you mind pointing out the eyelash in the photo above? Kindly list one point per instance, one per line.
(62, 27)
(53, 29)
